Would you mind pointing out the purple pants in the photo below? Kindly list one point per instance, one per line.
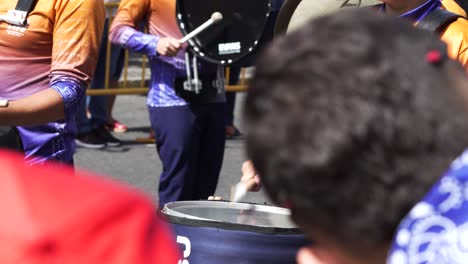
(190, 143)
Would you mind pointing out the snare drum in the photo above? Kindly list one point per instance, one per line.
(224, 232)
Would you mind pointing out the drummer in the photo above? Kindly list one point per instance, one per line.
(190, 131)
(362, 132)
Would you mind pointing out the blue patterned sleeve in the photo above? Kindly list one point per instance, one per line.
(135, 40)
(72, 91)
(435, 231)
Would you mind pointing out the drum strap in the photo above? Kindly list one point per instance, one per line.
(437, 20)
(19, 15)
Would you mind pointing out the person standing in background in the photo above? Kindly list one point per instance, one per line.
(190, 129)
(93, 130)
(232, 131)
(46, 64)
(116, 66)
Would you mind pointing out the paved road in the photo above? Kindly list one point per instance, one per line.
(138, 164)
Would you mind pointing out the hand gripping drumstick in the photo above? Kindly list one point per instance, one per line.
(239, 190)
(216, 17)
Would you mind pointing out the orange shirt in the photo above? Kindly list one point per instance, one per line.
(456, 34)
(161, 20)
(62, 39)
(453, 7)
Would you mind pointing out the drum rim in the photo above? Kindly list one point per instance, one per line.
(179, 218)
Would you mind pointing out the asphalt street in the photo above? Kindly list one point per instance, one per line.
(137, 164)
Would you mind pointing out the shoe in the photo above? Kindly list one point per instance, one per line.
(151, 139)
(90, 140)
(116, 126)
(107, 137)
(233, 132)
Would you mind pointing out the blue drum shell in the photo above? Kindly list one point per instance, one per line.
(213, 242)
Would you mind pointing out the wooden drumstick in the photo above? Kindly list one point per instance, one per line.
(216, 17)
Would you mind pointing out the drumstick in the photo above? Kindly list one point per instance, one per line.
(216, 17)
(239, 190)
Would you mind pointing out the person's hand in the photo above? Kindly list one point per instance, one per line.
(250, 177)
(168, 47)
(305, 256)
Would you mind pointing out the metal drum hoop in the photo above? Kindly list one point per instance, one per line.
(175, 217)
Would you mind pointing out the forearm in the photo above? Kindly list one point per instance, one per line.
(39, 108)
(134, 40)
(60, 101)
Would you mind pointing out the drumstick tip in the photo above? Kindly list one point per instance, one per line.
(238, 191)
(217, 17)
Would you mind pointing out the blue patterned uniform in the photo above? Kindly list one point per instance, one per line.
(436, 229)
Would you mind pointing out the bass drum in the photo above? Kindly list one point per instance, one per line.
(213, 232)
(294, 13)
(235, 36)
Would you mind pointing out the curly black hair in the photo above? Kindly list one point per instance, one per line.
(350, 124)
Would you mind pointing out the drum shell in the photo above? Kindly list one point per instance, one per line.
(210, 242)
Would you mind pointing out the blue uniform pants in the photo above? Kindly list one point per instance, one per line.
(190, 142)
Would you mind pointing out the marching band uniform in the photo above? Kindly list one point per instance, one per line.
(436, 229)
(189, 128)
(57, 50)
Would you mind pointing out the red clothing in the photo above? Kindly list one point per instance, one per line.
(51, 214)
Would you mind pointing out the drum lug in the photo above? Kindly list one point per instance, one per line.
(195, 84)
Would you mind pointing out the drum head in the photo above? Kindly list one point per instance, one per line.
(295, 13)
(243, 216)
(229, 40)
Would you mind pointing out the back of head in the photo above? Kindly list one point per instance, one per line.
(349, 124)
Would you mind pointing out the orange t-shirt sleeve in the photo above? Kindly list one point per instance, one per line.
(76, 37)
(130, 13)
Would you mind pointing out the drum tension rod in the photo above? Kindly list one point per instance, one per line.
(190, 83)
(216, 17)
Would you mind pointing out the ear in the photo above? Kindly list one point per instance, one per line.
(313, 255)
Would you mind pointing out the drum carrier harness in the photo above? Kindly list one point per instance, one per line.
(19, 15)
(437, 20)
